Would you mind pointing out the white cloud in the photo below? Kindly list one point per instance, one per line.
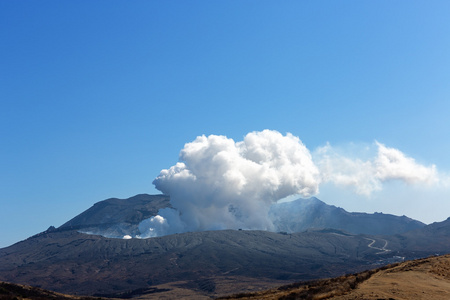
(345, 171)
(367, 176)
(391, 164)
(220, 183)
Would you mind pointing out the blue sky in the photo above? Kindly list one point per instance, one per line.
(97, 97)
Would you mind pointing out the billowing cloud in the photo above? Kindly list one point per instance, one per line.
(367, 176)
(220, 183)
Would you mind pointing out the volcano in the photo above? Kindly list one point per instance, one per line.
(79, 258)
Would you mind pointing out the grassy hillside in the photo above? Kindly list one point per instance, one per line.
(427, 278)
(10, 291)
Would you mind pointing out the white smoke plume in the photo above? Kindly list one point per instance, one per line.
(220, 183)
(367, 176)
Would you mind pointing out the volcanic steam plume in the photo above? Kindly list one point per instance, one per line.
(223, 184)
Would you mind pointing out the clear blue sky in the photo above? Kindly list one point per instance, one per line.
(96, 97)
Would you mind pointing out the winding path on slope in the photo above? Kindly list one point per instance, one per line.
(383, 249)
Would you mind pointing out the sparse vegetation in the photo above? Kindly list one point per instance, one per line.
(427, 278)
(314, 289)
(430, 271)
(10, 291)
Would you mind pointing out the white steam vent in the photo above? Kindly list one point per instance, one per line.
(223, 184)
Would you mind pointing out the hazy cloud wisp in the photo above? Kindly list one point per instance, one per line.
(367, 176)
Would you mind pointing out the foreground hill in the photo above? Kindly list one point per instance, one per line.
(11, 291)
(427, 278)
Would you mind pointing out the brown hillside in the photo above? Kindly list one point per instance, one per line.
(427, 278)
(421, 279)
(11, 291)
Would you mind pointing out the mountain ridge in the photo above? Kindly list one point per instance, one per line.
(314, 213)
(198, 264)
(116, 218)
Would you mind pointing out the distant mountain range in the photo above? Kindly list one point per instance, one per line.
(118, 217)
(214, 263)
(304, 214)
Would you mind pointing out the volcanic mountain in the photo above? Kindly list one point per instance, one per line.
(119, 217)
(203, 264)
(304, 214)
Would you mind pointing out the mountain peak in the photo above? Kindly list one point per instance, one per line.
(312, 213)
(118, 216)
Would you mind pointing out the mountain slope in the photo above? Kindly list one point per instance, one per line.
(71, 262)
(427, 278)
(434, 237)
(421, 279)
(303, 214)
(200, 264)
(11, 291)
(118, 217)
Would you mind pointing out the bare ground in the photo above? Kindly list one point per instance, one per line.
(424, 279)
(427, 278)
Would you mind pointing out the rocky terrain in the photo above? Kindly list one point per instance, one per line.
(71, 262)
(119, 217)
(304, 214)
(197, 265)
